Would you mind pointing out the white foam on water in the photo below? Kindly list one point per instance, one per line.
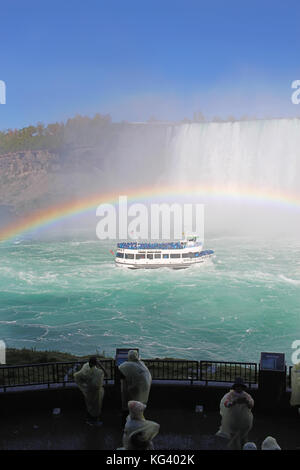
(295, 282)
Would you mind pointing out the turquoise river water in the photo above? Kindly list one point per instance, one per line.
(68, 295)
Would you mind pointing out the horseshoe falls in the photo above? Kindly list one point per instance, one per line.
(65, 293)
(262, 154)
(248, 173)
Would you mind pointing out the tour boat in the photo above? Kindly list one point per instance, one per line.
(175, 254)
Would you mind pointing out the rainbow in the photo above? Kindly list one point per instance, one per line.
(58, 212)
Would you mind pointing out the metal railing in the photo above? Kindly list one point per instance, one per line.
(221, 371)
(168, 369)
(160, 369)
(46, 374)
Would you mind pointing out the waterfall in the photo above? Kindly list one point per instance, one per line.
(255, 164)
(262, 153)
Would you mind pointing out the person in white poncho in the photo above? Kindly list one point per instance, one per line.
(295, 383)
(237, 418)
(138, 431)
(270, 443)
(90, 381)
(135, 380)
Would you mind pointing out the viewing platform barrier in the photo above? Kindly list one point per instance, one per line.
(161, 369)
(47, 373)
(168, 369)
(222, 371)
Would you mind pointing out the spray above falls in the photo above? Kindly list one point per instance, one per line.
(248, 169)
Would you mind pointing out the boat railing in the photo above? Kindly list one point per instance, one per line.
(155, 246)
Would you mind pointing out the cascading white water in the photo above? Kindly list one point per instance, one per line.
(264, 154)
(249, 172)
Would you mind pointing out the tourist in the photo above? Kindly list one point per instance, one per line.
(249, 446)
(90, 381)
(295, 385)
(135, 381)
(138, 432)
(270, 443)
(237, 418)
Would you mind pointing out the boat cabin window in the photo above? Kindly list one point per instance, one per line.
(157, 256)
(188, 255)
(150, 255)
(140, 256)
(120, 255)
(175, 255)
(129, 255)
(166, 255)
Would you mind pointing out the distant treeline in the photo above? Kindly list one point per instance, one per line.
(79, 131)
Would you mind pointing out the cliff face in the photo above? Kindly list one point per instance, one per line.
(24, 176)
(35, 179)
(133, 156)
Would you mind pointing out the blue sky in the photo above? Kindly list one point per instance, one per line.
(136, 59)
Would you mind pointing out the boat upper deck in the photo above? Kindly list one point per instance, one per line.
(155, 246)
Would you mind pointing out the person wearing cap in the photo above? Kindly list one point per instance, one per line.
(138, 431)
(237, 418)
(135, 380)
(90, 382)
(270, 443)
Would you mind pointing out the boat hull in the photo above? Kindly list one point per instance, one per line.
(150, 265)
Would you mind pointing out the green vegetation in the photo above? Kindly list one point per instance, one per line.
(31, 356)
(79, 131)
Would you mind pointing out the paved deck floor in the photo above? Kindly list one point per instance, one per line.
(179, 430)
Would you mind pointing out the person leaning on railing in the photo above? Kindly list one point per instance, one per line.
(90, 381)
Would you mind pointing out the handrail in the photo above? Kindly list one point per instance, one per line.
(224, 371)
(46, 373)
(160, 369)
